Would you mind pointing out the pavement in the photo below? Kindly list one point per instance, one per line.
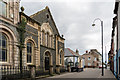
(88, 73)
(107, 74)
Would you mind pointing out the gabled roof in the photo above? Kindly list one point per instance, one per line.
(41, 21)
(70, 53)
(93, 51)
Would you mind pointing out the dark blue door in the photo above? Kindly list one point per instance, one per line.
(46, 63)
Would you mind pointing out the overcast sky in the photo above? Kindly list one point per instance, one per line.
(74, 19)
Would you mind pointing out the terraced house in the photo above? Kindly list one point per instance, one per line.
(43, 45)
(93, 59)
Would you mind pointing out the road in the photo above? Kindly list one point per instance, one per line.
(87, 73)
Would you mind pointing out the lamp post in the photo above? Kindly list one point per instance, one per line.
(101, 40)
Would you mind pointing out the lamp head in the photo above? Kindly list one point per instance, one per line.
(93, 24)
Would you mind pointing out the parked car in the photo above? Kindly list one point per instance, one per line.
(76, 69)
(101, 66)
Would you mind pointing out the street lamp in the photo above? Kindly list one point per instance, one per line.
(101, 40)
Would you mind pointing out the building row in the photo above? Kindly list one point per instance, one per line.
(114, 53)
(91, 59)
(34, 42)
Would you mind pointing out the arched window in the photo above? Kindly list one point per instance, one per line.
(3, 48)
(3, 8)
(51, 41)
(53, 44)
(43, 38)
(48, 40)
(29, 52)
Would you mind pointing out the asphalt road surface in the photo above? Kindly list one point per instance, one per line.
(88, 73)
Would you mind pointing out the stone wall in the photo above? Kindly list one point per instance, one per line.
(13, 52)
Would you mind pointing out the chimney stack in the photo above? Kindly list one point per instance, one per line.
(77, 51)
(86, 51)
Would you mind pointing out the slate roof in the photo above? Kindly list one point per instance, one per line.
(70, 53)
(40, 16)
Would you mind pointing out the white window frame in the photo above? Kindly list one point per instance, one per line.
(89, 64)
(95, 59)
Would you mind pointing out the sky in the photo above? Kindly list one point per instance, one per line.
(74, 20)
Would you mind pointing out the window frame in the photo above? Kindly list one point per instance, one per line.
(95, 59)
(30, 54)
(60, 58)
(5, 48)
(47, 34)
(3, 2)
(89, 58)
(89, 64)
(43, 38)
(51, 42)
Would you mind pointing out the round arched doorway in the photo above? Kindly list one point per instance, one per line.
(47, 61)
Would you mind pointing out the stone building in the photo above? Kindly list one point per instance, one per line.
(92, 58)
(9, 17)
(44, 47)
(113, 50)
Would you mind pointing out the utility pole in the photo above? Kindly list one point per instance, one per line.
(101, 40)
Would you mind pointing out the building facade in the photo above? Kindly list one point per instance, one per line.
(9, 18)
(114, 54)
(113, 51)
(43, 45)
(92, 58)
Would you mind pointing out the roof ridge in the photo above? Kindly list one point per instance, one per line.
(71, 51)
(46, 8)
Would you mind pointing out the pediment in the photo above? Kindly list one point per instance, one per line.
(47, 28)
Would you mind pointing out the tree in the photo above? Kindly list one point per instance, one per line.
(21, 32)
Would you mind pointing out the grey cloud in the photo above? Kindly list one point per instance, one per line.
(74, 20)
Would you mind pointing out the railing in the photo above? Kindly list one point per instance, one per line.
(63, 69)
(41, 72)
(13, 72)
